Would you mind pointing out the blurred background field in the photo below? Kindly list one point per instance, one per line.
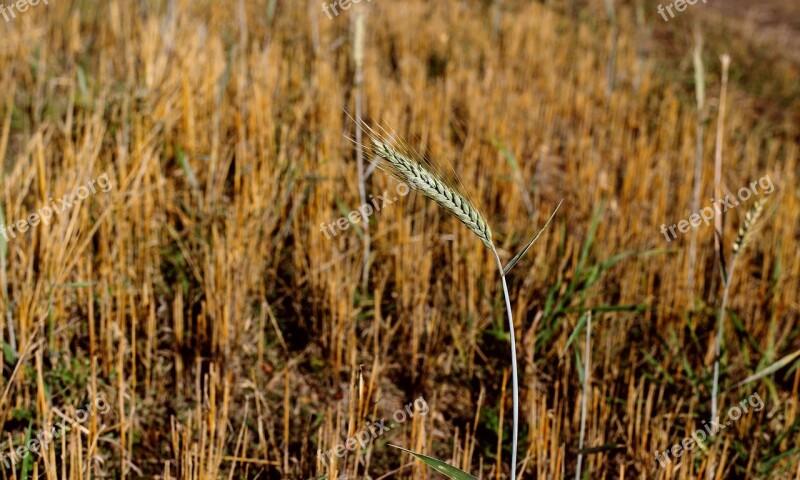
(233, 338)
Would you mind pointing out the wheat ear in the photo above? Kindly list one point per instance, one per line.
(746, 230)
(426, 182)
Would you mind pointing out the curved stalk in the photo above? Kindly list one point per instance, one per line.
(514, 380)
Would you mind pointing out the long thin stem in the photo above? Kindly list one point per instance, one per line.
(698, 159)
(718, 225)
(718, 219)
(358, 55)
(514, 379)
(586, 369)
(717, 351)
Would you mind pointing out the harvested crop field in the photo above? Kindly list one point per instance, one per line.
(273, 239)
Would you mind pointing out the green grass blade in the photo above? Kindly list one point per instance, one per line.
(587, 244)
(770, 370)
(183, 162)
(438, 465)
(27, 462)
(574, 335)
(346, 214)
(77, 284)
(507, 154)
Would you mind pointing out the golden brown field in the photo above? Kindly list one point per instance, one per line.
(208, 303)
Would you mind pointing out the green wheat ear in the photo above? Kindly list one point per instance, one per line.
(418, 177)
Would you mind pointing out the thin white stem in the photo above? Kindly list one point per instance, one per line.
(717, 351)
(514, 380)
(718, 227)
(362, 175)
(586, 366)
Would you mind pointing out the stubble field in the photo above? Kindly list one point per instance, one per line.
(195, 292)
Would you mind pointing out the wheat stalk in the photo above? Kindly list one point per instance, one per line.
(743, 237)
(407, 169)
(417, 176)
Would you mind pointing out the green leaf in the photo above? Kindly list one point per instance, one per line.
(507, 154)
(9, 354)
(587, 245)
(183, 162)
(441, 467)
(83, 86)
(574, 335)
(346, 214)
(28, 459)
(78, 284)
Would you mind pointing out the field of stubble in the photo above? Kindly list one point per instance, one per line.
(181, 298)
